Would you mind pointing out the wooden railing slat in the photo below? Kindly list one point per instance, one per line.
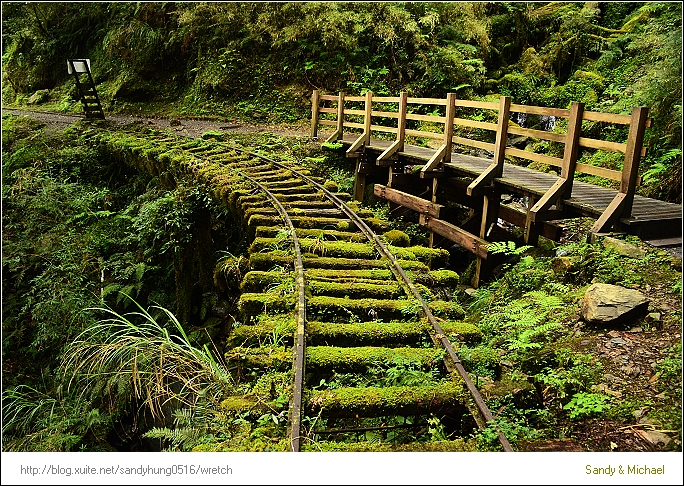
(418, 133)
(540, 110)
(426, 101)
(428, 118)
(485, 105)
(475, 124)
(540, 134)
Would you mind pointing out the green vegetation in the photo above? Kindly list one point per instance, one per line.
(259, 62)
(124, 256)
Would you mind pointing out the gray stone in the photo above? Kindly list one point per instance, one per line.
(623, 248)
(604, 304)
(38, 97)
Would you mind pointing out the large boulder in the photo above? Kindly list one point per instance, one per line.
(607, 304)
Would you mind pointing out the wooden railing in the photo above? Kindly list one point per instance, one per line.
(336, 114)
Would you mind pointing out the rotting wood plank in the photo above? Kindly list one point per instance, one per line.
(415, 203)
(469, 241)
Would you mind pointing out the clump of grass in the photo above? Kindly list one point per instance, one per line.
(136, 356)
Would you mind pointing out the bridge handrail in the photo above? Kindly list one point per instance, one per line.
(573, 140)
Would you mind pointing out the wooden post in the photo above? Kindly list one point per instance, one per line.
(443, 153)
(401, 121)
(571, 151)
(497, 165)
(367, 117)
(339, 132)
(562, 188)
(340, 115)
(502, 134)
(621, 205)
(630, 170)
(314, 113)
(449, 126)
(398, 144)
(364, 138)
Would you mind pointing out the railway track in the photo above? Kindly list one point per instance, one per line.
(347, 329)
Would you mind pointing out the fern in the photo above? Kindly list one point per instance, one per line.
(506, 248)
(182, 439)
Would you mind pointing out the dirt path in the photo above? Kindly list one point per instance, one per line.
(184, 127)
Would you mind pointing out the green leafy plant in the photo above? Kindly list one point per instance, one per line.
(583, 405)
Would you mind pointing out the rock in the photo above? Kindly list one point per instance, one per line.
(654, 437)
(653, 317)
(38, 97)
(470, 292)
(563, 264)
(604, 304)
(623, 248)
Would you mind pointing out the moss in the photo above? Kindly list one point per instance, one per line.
(446, 310)
(377, 225)
(258, 281)
(312, 261)
(362, 309)
(388, 290)
(266, 261)
(243, 444)
(434, 257)
(272, 385)
(274, 329)
(482, 361)
(251, 304)
(397, 238)
(443, 278)
(470, 333)
(458, 445)
(266, 357)
(331, 186)
(323, 248)
(349, 275)
(241, 403)
(367, 333)
(358, 358)
(325, 234)
(397, 400)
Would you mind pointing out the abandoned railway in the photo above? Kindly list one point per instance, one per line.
(330, 300)
(341, 298)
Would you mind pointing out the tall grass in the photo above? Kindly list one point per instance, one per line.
(135, 357)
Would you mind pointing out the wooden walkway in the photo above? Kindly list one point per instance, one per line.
(430, 181)
(650, 217)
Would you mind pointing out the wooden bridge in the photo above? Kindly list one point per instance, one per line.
(477, 166)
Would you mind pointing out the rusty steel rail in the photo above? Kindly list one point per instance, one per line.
(454, 362)
(300, 346)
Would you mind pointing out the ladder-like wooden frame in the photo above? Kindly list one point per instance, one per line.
(87, 93)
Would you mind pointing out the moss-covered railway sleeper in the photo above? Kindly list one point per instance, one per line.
(381, 372)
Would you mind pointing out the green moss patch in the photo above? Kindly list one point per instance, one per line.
(274, 329)
(359, 358)
(356, 290)
(322, 234)
(367, 333)
(336, 308)
(266, 357)
(446, 310)
(458, 445)
(376, 401)
(251, 304)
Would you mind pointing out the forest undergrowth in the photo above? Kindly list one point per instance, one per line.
(94, 314)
